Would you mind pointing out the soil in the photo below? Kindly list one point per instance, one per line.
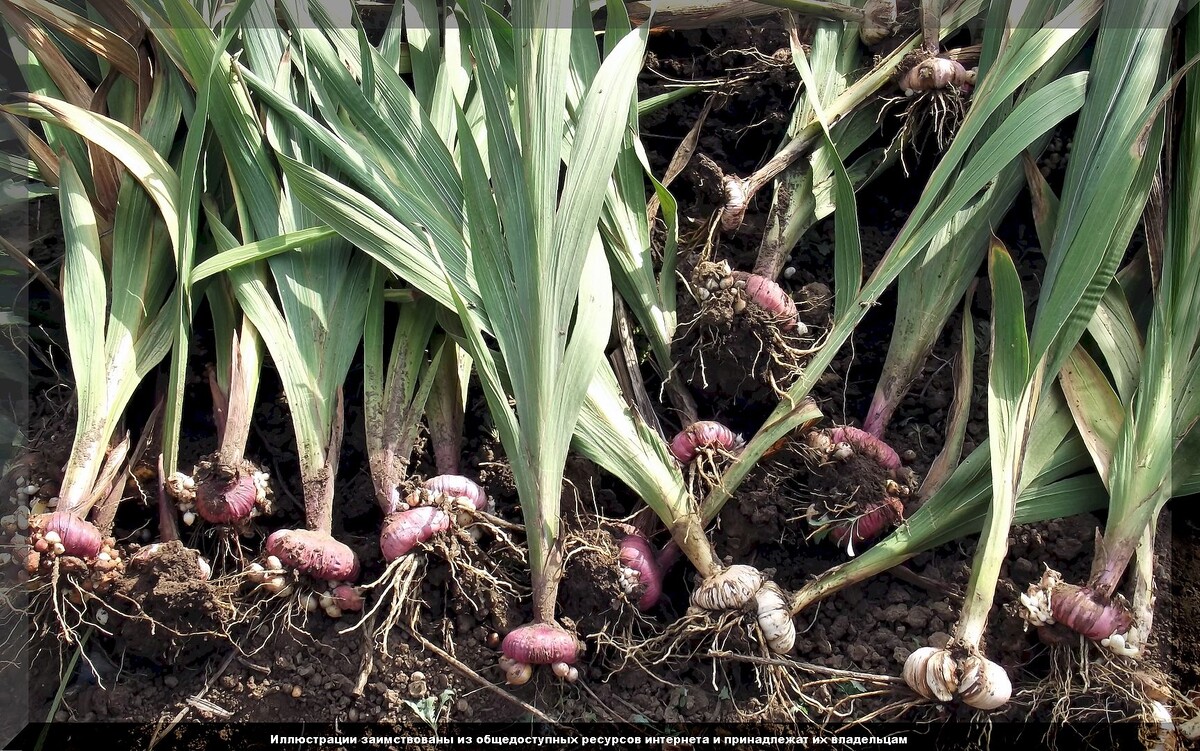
(186, 662)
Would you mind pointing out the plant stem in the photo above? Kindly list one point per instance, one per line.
(240, 401)
(931, 25)
(108, 488)
(83, 468)
(820, 9)
(688, 533)
(220, 403)
(1121, 541)
(855, 96)
(318, 491)
(168, 524)
(1143, 584)
(545, 581)
(445, 412)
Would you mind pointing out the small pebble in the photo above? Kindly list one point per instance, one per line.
(939, 639)
(789, 272)
(296, 692)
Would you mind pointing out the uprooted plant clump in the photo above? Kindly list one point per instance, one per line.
(407, 605)
(741, 336)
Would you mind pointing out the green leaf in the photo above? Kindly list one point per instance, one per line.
(85, 307)
(1097, 410)
(848, 262)
(130, 149)
(260, 251)
(1011, 397)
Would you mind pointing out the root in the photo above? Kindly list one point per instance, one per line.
(72, 604)
(1088, 686)
(622, 620)
(398, 602)
(926, 115)
(705, 471)
(396, 599)
(222, 547)
(777, 688)
(729, 324)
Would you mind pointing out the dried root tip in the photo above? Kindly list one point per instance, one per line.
(774, 619)
(879, 23)
(701, 435)
(637, 556)
(734, 209)
(934, 73)
(541, 644)
(313, 553)
(731, 589)
(66, 534)
(977, 681)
